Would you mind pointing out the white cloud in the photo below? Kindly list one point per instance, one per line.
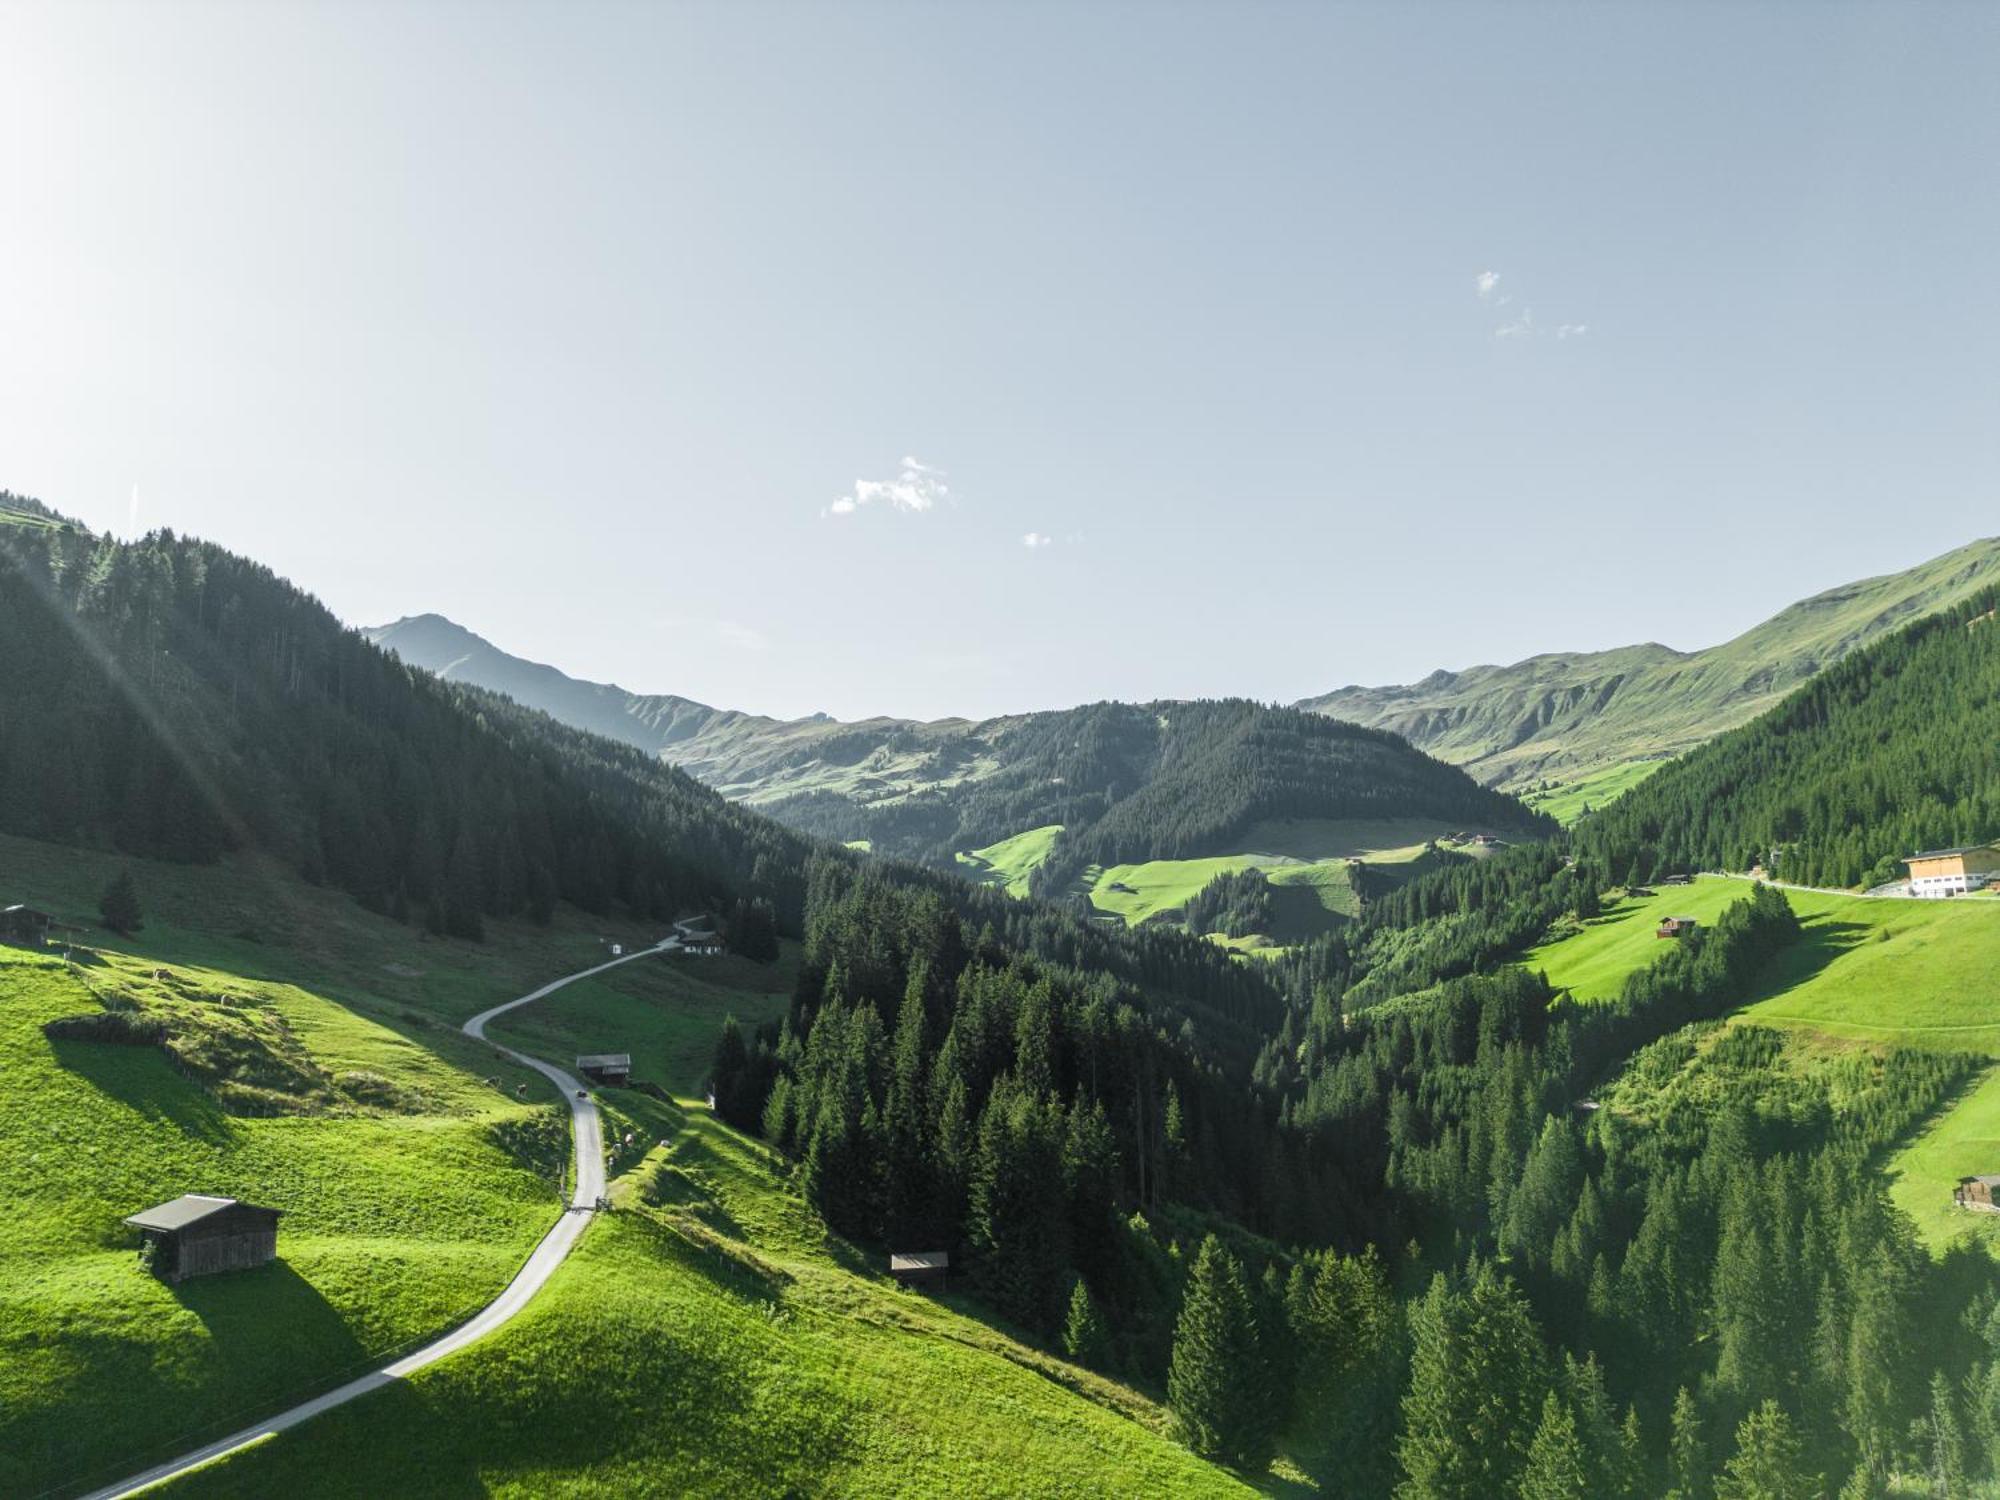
(917, 487)
(1523, 325)
(1034, 541)
(742, 637)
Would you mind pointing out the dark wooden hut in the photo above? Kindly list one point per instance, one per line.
(920, 1267)
(606, 1067)
(25, 927)
(1975, 1192)
(197, 1235)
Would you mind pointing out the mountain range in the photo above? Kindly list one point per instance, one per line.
(1563, 717)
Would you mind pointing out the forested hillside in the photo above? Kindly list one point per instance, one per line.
(168, 698)
(1893, 750)
(1133, 782)
(1126, 782)
(1566, 715)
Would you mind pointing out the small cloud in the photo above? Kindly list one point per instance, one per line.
(742, 637)
(1486, 281)
(1522, 327)
(1572, 330)
(917, 487)
(1034, 541)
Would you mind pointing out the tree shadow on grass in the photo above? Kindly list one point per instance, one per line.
(1821, 942)
(142, 1078)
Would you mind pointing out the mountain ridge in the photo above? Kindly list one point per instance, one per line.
(1569, 714)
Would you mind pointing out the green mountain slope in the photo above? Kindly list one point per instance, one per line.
(1127, 783)
(1894, 749)
(1563, 716)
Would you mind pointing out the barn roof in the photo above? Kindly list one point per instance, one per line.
(178, 1213)
(18, 910)
(920, 1260)
(1951, 853)
(1989, 1180)
(605, 1060)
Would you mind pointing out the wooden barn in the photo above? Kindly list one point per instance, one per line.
(1976, 1192)
(197, 1235)
(1676, 927)
(25, 927)
(606, 1067)
(920, 1267)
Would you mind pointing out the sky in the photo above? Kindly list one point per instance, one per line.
(963, 359)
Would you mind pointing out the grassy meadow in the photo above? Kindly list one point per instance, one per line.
(308, 1059)
(710, 1338)
(1304, 859)
(1009, 863)
(1566, 801)
(1868, 974)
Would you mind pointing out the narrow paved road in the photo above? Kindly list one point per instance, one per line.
(589, 1135)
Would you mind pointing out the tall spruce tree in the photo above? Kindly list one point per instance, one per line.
(1769, 1463)
(1557, 1468)
(1212, 1381)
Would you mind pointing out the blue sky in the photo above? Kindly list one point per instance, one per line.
(740, 351)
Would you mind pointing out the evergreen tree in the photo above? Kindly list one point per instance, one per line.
(1947, 1442)
(119, 905)
(1085, 1340)
(1770, 1461)
(1687, 1454)
(1477, 1375)
(1556, 1468)
(1212, 1380)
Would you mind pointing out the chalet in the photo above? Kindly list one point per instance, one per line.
(698, 935)
(1676, 927)
(920, 1267)
(1938, 873)
(1676, 879)
(1976, 1192)
(25, 927)
(606, 1067)
(198, 1235)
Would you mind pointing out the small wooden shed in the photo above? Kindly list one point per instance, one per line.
(1676, 927)
(25, 927)
(920, 1267)
(606, 1067)
(198, 1235)
(1976, 1192)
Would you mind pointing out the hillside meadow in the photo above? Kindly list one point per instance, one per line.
(308, 1060)
(710, 1337)
(1868, 973)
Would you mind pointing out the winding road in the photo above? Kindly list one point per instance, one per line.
(588, 1131)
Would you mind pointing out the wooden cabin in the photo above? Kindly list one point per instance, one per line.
(198, 1235)
(606, 1067)
(698, 935)
(1976, 1192)
(920, 1267)
(1676, 927)
(25, 927)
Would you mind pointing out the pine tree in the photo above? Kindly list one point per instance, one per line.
(119, 905)
(1769, 1462)
(1687, 1454)
(1085, 1340)
(1556, 1469)
(1212, 1378)
(1477, 1371)
(1947, 1442)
